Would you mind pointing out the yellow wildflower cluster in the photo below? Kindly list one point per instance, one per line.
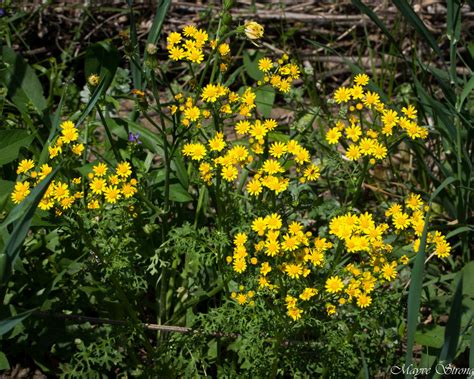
(288, 263)
(62, 195)
(243, 298)
(365, 133)
(411, 216)
(266, 163)
(279, 74)
(278, 252)
(112, 187)
(187, 45)
(69, 134)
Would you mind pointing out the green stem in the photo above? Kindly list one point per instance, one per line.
(360, 182)
(109, 135)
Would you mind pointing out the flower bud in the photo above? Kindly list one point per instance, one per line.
(253, 30)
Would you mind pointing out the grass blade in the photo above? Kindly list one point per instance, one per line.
(453, 328)
(54, 127)
(409, 14)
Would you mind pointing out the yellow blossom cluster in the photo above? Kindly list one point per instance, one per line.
(187, 45)
(266, 162)
(243, 297)
(61, 195)
(110, 187)
(366, 127)
(411, 216)
(286, 262)
(69, 134)
(279, 74)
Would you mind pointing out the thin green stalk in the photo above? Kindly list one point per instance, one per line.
(109, 135)
(360, 182)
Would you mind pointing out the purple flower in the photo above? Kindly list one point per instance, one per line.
(134, 138)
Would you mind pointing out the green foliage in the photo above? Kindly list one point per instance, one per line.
(83, 290)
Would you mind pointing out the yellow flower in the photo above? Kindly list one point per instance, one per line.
(334, 284)
(196, 151)
(112, 194)
(371, 99)
(217, 143)
(241, 298)
(192, 113)
(333, 135)
(224, 49)
(78, 148)
(253, 30)
(361, 79)
(93, 204)
(100, 169)
(242, 127)
(342, 95)
(229, 173)
(254, 187)
(272, 166)
(409, 111)
(353, 152)
(401, 221)
(21, 191)
(265, 268)
(211, 93)
(60, 190)
(97, 186)
(277, 149)
(290, 242)
(353, 132)
(128, 190)
(389, 271)
(176, 53)
(294, 313)
(311, 172)
(25, 166)
(259, 225)
(173, 39)
(93, 80)
(239, 265)
(308, 293)
(265, 64)
(363, 300)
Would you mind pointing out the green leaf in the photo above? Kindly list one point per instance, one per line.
(453, 328)
(6, 188)
(11, 141)
(177, 164)
(251, 65)
(466, 91)
(4, 365)
(21, 81)
(149, 139)
(264, 99)
(102, 58)
(414, 294)
(8, 324)
(432, 337)
(54, 127)
(409, 14)
(179, 194)
(155, 30)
